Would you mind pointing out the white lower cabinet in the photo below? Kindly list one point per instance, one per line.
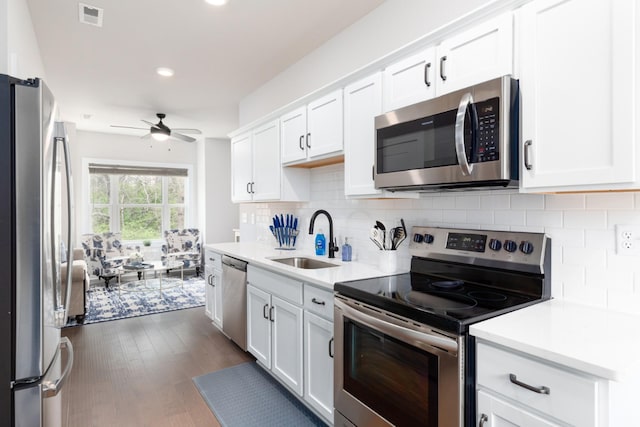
(318, 352)
(518, 390)
(213, 288)
(274, 325)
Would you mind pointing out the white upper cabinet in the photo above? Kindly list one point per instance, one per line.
(256, 172)
(241, 168)
(481, 53)
(577, 74)
(313, 131)
(362, 103)
(475, 55)
(409, 80)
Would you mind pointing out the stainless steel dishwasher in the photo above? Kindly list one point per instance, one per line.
(234, 300)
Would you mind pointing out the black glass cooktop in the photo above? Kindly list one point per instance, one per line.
(444, 303)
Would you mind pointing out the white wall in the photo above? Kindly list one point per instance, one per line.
(390, 26)
(220, 216)
(19, 50)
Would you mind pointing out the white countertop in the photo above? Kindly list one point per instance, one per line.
(596, 341)
(259, 255)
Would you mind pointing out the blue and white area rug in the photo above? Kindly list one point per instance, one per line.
(104, 304)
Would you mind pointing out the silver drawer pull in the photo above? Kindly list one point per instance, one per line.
(317, 301)
(541, 389)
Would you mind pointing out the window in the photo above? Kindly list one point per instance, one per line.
(139, 202)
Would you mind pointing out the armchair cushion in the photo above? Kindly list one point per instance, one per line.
(182, 245)
(104, 253)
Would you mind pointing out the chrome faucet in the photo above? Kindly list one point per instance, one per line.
(333, 248)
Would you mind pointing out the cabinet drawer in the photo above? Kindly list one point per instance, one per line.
(572, 398)
(213, 258)
(319, 301)
(276, 284)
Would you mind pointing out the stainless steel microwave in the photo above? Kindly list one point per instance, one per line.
(465, 139)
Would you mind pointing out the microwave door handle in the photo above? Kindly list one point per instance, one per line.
(465, 103)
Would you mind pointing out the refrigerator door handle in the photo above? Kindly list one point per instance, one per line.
(52, 388)
(61, 307)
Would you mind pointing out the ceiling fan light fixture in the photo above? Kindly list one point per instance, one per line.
(216, 2)
(160, 136)
(165, 72)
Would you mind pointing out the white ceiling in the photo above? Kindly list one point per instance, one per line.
(219, 54)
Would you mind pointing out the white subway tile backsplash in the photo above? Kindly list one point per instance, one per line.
(610, 201)
(585, 219)
(527, 201)
(536, 218)
(564, 202)
(585, 267)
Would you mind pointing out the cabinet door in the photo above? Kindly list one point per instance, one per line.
(293, 131)
(241, 168)
(216, 308)
(576, 85)
(362, 103)
(410, 80)
(208, 293)
(258, 325)
(318, 363)
(324, 124)
(498, 413)
(266, 162)
(481, 53)
(287, 343)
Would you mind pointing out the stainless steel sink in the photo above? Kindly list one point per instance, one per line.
(306, 263)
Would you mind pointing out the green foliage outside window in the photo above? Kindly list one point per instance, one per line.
(140, 202)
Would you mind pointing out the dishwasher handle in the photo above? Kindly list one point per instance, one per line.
(235, 263)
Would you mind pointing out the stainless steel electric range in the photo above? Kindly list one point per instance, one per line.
(403, 354)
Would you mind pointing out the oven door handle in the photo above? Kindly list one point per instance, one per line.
(404, 334)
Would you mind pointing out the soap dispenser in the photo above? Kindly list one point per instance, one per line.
(321, 243)
(346, 250)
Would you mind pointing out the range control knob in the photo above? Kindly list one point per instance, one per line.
(526, 247)
(418, 238)
(495, 244)
(428, 238)
(510, 246)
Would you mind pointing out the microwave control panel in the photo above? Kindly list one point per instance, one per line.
(487, 147)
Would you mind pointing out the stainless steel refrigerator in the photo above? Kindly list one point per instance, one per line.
(35, 199)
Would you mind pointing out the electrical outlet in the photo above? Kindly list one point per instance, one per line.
(628, 239)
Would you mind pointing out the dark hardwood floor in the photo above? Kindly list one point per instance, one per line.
(138, 371)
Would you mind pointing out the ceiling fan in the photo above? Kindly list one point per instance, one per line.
(161, 132)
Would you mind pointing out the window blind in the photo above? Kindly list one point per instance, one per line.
(95, 168)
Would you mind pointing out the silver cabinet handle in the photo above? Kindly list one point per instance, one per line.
(300, 142)
(331, 352)
(427, 67)
(308, 138)
(50, 389)
(252, 184)
(248, 184)
(465, 102)
(527, 148)
(443, 76)
(317, 301)
(209, 279)
(540, 390)
(271, 314)
(483, 419)
(264, 311)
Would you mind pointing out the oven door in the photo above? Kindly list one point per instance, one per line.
(391, 371)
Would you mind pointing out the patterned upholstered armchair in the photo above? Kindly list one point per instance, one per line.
(104, 253)
(183, 245)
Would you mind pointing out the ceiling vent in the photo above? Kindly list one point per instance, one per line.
(90, 14)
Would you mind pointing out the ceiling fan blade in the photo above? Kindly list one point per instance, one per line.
(191, 131)
(153, 125)
(128, 127)
(182, 137)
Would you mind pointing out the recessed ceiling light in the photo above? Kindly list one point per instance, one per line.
(216, 2)
(164, 71)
